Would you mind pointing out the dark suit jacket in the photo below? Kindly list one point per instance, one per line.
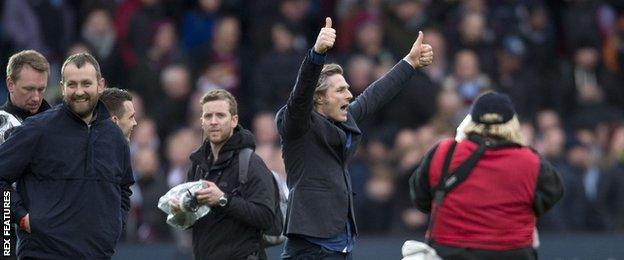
(313, 148)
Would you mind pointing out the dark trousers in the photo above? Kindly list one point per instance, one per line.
(298, 248)
(458, 253)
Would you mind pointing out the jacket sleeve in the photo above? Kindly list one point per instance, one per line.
(15, 155)
(549, 188)
(381, 91)
(16, 205)
(294, 119)
(256, 204)
(127, 181)
(420, 191)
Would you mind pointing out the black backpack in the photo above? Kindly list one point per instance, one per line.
(274, 235)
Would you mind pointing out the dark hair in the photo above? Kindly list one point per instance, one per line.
(31, 58)
(80, 59)
(114, 98)
(220, 94)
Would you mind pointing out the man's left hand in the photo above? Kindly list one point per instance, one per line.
(210, 194)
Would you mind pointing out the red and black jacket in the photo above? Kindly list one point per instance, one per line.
(496, 207)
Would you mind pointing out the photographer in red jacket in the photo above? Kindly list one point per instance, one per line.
(492, 190)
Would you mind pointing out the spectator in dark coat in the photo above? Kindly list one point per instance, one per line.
(27, 79)
(100, 37)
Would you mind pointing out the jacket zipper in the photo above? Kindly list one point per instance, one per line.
(88, 151)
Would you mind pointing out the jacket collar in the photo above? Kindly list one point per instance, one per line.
(100, 112)
(349, 125)
(203, 156)
(22, 114)
(241, 138)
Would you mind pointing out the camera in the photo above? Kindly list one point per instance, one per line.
(189, 202)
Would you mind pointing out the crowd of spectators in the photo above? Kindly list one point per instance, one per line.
(561, 62)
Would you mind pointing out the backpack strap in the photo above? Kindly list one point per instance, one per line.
(244, 156)
(272, 236)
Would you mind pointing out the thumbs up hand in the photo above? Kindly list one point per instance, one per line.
(421, 54)
(326, 37)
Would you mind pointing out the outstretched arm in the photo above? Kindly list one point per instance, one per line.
(384, 89)
(294, 119)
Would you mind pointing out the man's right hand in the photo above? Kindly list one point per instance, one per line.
(24, 223)
(326, 37)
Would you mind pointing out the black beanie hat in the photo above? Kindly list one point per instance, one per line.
(492, 108)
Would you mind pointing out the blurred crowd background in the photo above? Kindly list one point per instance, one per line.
(561, 62)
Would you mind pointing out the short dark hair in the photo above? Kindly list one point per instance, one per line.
(80, 59)
(114, 98)
(31, 58)
(220, 94)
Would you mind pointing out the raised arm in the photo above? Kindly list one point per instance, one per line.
(384, 89)
(294, 119)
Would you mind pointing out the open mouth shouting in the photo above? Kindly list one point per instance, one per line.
(344, 108)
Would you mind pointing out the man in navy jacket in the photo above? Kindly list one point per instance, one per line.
(319, 133)
(72, 168)
(27, 79)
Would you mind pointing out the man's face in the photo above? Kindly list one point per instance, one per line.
(335, 101)
(126, 121)
(81, 88)
(27, 92)
(217, 122)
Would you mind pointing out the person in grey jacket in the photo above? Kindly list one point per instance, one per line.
(319, 133)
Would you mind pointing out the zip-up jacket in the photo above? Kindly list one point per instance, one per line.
(234, 231)
(74, 180)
